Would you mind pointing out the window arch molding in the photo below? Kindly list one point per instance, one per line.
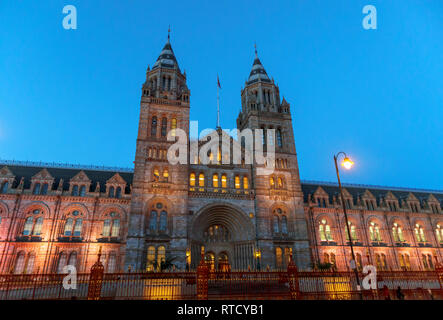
(324, 228)
(112, 220)
(355, 227)
(33, 221)
(4, 210)
(378, 228)
(158, 216)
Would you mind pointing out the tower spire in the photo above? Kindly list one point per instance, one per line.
(169, 32)
(255, 48)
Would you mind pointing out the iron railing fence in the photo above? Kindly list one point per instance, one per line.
(220, 285)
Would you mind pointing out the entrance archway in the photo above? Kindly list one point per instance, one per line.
(226, 232)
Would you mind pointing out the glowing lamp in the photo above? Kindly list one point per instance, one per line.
(347, 163)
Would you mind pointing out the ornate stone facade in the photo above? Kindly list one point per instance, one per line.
(51, 215)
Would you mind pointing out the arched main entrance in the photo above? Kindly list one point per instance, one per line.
(225, 235)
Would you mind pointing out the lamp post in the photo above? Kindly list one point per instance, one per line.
(347, 164)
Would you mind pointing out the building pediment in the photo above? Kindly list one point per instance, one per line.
(116, 179)
(368, 195)
(43, 175)
(80, 177)
(411, 197)
(390, 196)
(432, 198)
(320, 192)
(5, 172)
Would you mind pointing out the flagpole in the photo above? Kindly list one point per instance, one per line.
(218, 104)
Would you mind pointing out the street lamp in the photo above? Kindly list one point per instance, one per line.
(347, 164)
(258, 256)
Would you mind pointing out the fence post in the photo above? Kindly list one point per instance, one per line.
(202, 279)
(293, 280)
(96, 279)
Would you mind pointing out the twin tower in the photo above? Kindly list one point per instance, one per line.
(225, 213)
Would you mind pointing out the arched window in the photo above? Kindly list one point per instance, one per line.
(224, 181)
(384, 262)
(201, 180)
(192, 179)
(156, 174)
(33, 223)
(352, 230)
(36, 189)
(154, 126)
(215, 180)
(111, 192)
(237, 182)
(165, 175)
(439, 233)
(19, 263)
(153, 221)
(279, 138)
(280, 182)
(61, 262)
(73, 224)
(118, 192)
(397, 233)
(425, 261)
(245, 183)
(75, 191)
(164, 127)
(378, 261)
(419, 233)
(44, 189)
(150, 258)
(111, 263)
(284, 225)
(29, 268)
(111, 225)
(82, 191)
(173, 126)
(4, 188)
(163, 221)
(272, 182)
(73, 259)
(374, 232)
(278, 258)
(325, 231)
(276, 224)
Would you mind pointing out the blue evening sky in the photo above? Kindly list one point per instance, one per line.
(73, 95)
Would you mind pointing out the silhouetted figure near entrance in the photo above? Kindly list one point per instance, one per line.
(400, 294)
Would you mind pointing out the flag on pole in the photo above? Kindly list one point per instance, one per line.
(218, 82)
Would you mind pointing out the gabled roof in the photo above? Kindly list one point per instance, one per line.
(309, 187)
(27, 171)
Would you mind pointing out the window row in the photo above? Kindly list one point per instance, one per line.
(374, 232)
(282, 257)
(163, 126)
(73, 224)
(156, 256)
(219, 181)
(270, 140)
(160, 154)
(277, 182)
(371, 205)
(164, 177)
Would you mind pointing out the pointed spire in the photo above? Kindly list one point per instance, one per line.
(258, 72)
(166, 59)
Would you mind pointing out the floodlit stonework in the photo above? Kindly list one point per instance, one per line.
(53, 215)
